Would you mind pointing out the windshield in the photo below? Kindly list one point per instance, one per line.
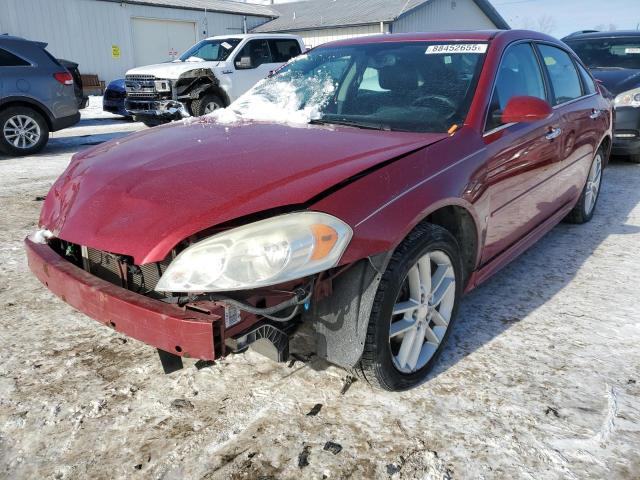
(403, 86)
(608, 52)
(210, 50)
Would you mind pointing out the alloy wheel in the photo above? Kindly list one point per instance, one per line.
(22, 131)
(422, 312)
(211, 106)
(593, 184)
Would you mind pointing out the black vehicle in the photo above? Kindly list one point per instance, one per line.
(72, 67)
(614, 60)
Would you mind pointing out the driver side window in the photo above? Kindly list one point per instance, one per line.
(519, 74)
(253, 54)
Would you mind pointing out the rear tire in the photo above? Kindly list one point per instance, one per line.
(634, 158)
(586, 206)
(402, 348)
(206, 104)
(23, 131)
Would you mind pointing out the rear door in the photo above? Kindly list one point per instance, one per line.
(523, 157)
(283, 50)
(13, 68)
(575, 102)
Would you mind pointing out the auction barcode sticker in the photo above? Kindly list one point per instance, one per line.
(457, 48)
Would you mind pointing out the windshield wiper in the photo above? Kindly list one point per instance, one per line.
(348, 123)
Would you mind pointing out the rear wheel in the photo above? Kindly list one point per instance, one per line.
(583, 211)
(206, 104)
(23, 131)
(634, 158)
(414, 309)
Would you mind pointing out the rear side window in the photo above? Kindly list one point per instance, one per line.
(253, 54)
(284, 50)
(519, 74)
(51, 57)
(587, 81)
(562, 72)
(8, 59)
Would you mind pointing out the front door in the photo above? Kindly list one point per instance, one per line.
(524, 157)
(252, 63)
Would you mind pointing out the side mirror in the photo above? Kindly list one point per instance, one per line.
(524, 109)
(243, 63)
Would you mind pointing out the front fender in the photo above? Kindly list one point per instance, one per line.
(384, 206)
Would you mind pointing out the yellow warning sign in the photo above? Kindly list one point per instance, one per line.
(115, 51)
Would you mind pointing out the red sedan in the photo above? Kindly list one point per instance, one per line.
(363, 189)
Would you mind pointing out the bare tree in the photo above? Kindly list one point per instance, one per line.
(545, 23)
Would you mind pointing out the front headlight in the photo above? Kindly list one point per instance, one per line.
(260, 254)
(162, 85)
(630, 98)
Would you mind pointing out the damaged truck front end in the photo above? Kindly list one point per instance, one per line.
(156, 100)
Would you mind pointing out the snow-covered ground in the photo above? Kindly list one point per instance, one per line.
(541, 378)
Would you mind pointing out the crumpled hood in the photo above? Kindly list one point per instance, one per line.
(171, 70)
(617, 80)
(143, 194)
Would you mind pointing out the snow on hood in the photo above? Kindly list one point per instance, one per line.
(280, 99)
(170, 70)
(143, 194)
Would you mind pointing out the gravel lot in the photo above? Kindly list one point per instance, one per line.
(541, 378)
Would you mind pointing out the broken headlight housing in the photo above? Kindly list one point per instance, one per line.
(264, 253)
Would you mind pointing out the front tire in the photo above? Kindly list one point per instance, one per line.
(206, 104)
(413, 310)
(23, 131)
(586, 206)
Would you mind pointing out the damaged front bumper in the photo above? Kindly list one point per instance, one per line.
(167, 327)
(166, 109)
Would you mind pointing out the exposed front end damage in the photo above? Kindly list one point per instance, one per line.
(151, 98)
(119, 294)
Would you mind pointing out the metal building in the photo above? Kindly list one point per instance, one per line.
(319, 21)
(108, 37)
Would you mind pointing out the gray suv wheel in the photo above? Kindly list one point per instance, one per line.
(23, 131)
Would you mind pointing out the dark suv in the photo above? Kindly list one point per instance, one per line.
(37, 96)
(614, 60)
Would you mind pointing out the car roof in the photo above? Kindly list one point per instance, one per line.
(610, 34)
(451, 36)
(242, 36)
(11, 39)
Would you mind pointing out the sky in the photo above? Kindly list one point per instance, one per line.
(571, 15)
(561, 17)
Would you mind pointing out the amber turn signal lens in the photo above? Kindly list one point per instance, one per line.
(326, 237)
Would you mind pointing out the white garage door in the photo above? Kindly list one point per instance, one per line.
(156, 41)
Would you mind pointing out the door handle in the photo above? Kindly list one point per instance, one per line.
(553, 133)
(595, 114)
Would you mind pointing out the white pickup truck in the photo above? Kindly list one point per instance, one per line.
(210, 75)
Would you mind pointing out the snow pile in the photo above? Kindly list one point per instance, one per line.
(284, 99)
